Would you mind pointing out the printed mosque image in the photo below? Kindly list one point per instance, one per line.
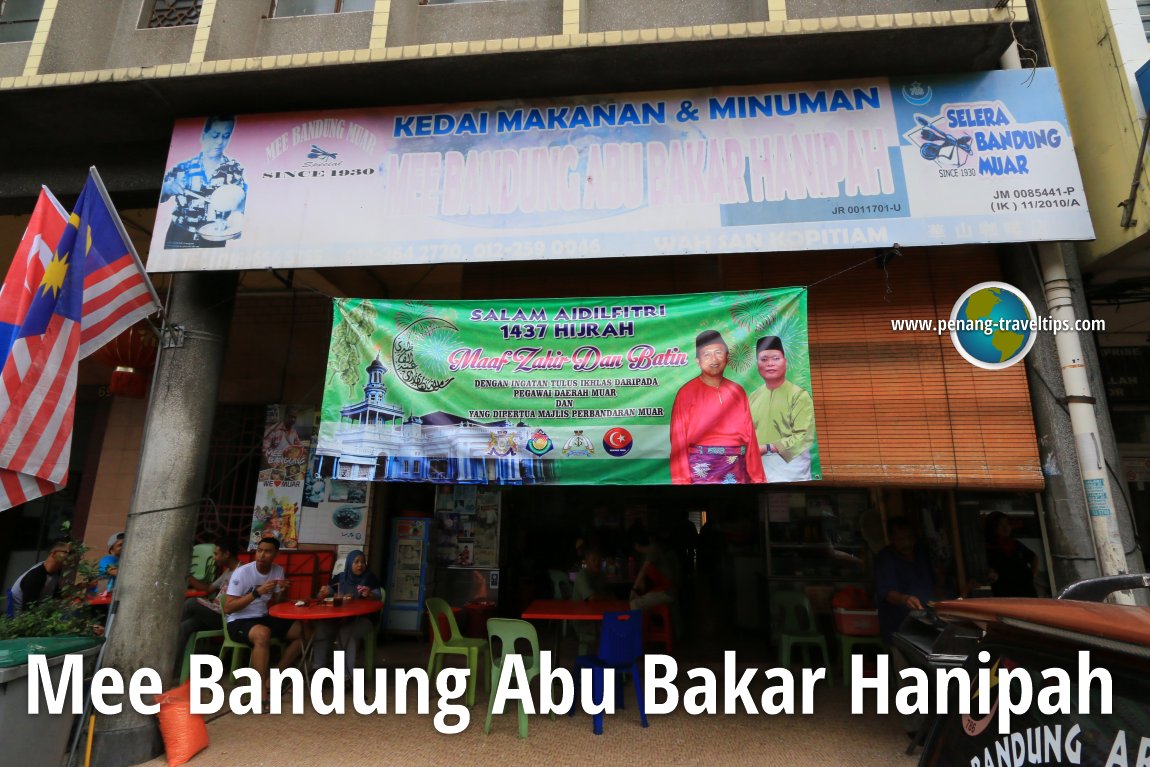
(376, 441)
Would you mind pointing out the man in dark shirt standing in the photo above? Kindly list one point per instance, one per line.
(903, 577)
(904, 581)
(43, 581)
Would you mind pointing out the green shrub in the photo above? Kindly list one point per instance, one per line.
(68, 615)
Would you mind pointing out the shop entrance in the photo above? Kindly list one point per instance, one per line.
(739, 553)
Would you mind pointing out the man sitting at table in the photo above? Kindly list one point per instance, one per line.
(203, 613)
(655, 583)
(254, 587)
(589, 585)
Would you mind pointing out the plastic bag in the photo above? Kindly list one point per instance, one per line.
(185, 734)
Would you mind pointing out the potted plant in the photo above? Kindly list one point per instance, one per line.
(54, 628)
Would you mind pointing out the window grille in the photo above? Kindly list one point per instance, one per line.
(233, 471)
(174, 13)
(282, 8)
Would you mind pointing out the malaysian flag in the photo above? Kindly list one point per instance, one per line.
(74, 285)
(117, 291)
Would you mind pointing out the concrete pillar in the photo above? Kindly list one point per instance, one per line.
(162, 518)
(1067, 516)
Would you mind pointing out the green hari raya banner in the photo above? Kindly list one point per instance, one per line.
(687, 389)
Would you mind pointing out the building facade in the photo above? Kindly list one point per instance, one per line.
(906, 426)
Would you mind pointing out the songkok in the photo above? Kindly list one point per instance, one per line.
(706, 338)
(772, 343)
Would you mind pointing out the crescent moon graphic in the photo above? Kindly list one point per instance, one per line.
(403, 355)
(617, 439)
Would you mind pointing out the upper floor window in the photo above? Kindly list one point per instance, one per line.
(312, 7)
(18, 19)
(174, 13)
(1144, 10)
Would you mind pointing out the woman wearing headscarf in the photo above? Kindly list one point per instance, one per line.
(355, 582)
(1012, 565)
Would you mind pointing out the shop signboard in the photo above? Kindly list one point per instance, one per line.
(684, 389)
(933, 160)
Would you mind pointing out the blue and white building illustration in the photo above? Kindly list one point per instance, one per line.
(376, 440)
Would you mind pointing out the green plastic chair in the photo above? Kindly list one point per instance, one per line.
(369, 641)
(203, 562)
(561, 589)
(455, 644)
(848, 643)
(238, 651)
(190, 649)
(794, 620)
(509, 632)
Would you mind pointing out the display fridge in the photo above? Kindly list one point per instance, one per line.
(407, 574)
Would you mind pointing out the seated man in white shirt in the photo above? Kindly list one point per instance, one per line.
(203, 613)
(253, 588)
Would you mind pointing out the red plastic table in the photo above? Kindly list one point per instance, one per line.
(573, 609)
(320, 610)
(105, 599)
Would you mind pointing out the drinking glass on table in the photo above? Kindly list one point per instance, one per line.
(347, 591)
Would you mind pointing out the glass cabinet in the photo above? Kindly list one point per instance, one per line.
(820, 542)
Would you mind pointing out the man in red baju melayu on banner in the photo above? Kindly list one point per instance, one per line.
(712, 435)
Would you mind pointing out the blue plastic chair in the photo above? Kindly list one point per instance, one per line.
(620, 649)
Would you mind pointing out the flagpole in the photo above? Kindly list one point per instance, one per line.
(56, 203)
(124, 234)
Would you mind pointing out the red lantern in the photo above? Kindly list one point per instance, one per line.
(133, 355)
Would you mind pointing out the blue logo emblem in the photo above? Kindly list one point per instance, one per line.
(917, 95)
(993, 325)
(317, 153)
(937, 145)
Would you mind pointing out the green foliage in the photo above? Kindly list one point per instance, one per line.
(68, 615)
(348, 339)
(52, 617)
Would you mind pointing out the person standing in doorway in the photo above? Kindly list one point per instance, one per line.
(1013, 567)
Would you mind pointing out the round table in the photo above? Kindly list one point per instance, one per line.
(105, 599)
(322, 610)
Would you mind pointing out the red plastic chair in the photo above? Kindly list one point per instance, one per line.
(657, 627)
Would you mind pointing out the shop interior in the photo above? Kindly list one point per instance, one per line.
(737, 548)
